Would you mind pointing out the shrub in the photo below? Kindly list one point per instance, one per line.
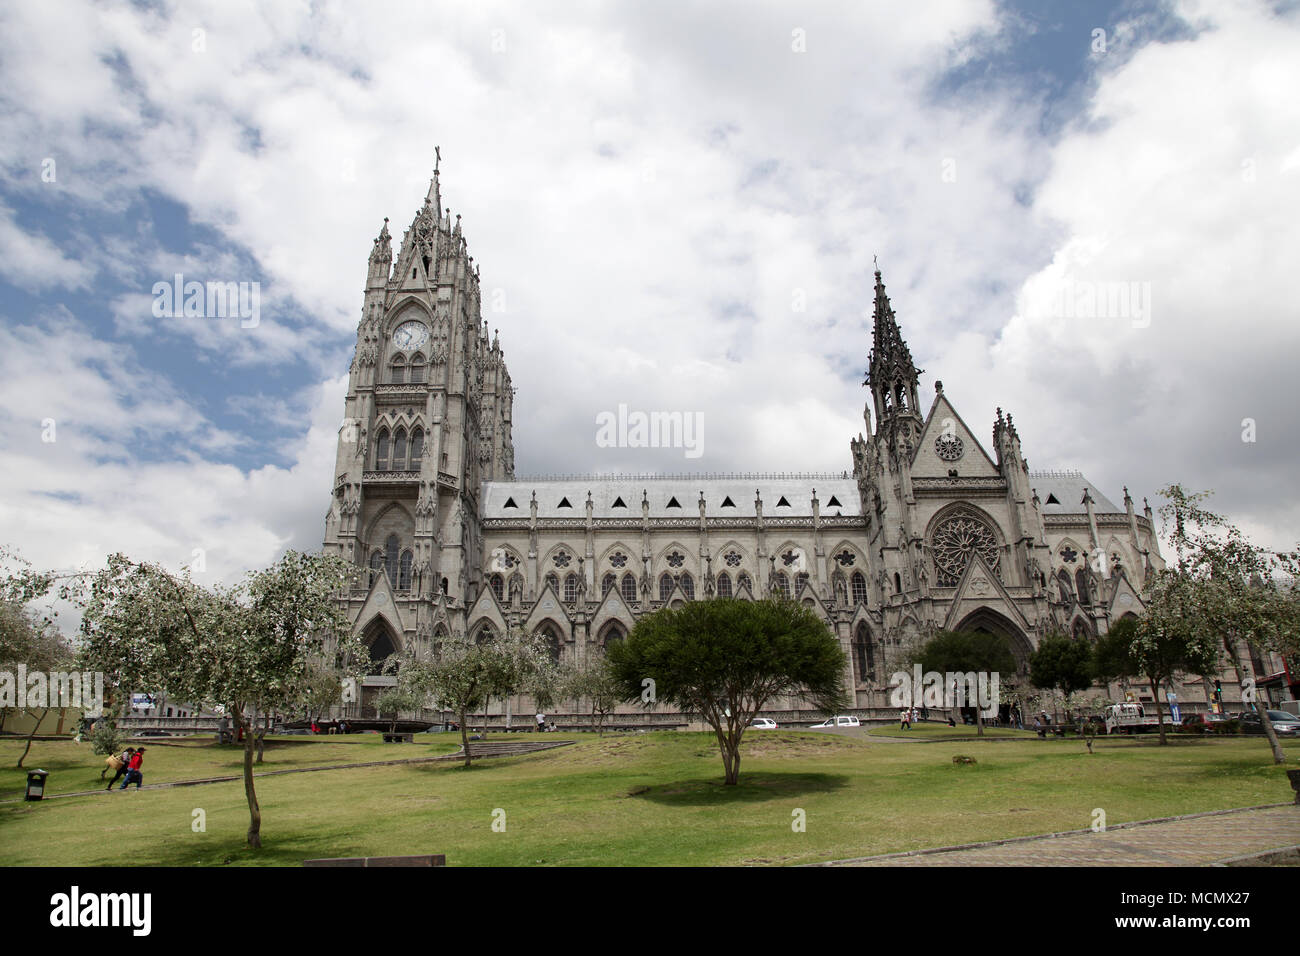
(107, 739)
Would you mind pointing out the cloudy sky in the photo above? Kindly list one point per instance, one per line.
(674, 207)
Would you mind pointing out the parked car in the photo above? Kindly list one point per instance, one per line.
(763, 723)
(837, 721)
(1284, 724)
(1212, 723)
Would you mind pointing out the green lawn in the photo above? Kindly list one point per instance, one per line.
(928, 730)
(652, 799)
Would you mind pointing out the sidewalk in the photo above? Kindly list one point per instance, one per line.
(1200, 839)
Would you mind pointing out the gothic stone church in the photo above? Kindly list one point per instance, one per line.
(929, 530)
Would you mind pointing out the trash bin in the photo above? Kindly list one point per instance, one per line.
(36, 784)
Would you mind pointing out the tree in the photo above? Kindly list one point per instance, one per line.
(1061, 664)
(725, 659)
(461, 675)
(961, 652)
(37, 644)
(1239, 592)
(246, 648)
(395, 700)
(1170, 638)
(595, 681)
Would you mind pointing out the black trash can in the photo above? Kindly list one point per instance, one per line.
(36, 784)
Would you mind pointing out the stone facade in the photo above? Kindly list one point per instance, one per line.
(926, 528)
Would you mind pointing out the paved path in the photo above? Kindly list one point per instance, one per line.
(1199, 839)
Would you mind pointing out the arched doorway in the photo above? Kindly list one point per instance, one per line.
(991, 622)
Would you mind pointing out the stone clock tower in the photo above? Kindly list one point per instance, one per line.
(426, 422)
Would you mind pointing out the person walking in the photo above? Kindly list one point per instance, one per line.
(541, 722)
(905, 719)
(133, 774)
(118, 762)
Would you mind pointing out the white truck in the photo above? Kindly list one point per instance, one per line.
(1128, 719)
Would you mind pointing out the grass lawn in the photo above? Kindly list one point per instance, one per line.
(929, 729)
(650, 799)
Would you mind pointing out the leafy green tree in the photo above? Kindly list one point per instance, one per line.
(247, 649)
(1061, 664)
(395, 700)
(725, 659)
(1240, 592)
(595, 682)
(461, 675)
(35, 642)
(960, 652)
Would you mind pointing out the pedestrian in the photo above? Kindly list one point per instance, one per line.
(119, 763)
(905, 719)
(541, 722)
(133, 774)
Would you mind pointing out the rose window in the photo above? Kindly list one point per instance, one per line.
(948, 447)
(561, 559)
(675, 560)
(732, 559)
(958, 538)
(845, 558)
(618, 560)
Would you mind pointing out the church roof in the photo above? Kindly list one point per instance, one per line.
(620, 497)
(1061, 493)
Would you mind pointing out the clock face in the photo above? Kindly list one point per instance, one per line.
(410, 335)
(948, 447)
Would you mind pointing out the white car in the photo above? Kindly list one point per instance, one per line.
(837, 721)
(763, 723)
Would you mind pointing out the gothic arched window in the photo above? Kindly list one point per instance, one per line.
(1081, 583)
(743, 582)
(724, 585)
(688, 585)
(399, 450)
(417, 369)
(417, 447)
(391, 547)
(898, 583)
(376, 565)
(404, 572)
(783, 585)
(628, 588)
(800, 580)
(1067, 592)
(665, 586)
(607, 583)
(570, 587)
(397, 371)
(553, 581)
(864, 654)
(381, 450)
(859, 585)
(498, 587)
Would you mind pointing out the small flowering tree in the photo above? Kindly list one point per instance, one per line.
(248, 648)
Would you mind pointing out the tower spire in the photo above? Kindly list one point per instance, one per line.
(891, 373)
(434, 197)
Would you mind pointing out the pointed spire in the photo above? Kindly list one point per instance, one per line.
(890, 362)
(434, 196)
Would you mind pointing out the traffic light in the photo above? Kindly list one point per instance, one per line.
(1218, 690)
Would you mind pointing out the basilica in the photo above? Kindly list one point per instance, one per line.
(926, 528)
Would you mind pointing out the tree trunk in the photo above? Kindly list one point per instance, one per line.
(250, 792)
(464, 736)
(979, 721)
(1269, 733)
(1160, 712)
(28, 748)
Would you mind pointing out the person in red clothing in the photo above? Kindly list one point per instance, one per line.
(133, 774)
